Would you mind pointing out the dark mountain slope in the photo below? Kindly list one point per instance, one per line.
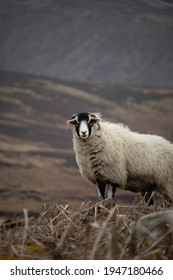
(119, 42)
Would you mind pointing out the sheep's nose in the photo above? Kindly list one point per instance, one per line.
(84, 133)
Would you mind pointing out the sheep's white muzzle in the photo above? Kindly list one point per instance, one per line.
(83, 130)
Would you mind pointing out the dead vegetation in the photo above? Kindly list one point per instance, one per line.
(93, 231)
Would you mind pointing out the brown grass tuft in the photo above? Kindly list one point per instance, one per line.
(94, 231)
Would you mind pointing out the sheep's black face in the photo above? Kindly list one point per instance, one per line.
(83, 123)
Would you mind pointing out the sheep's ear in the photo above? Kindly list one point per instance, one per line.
(96, 117)
(71, 121)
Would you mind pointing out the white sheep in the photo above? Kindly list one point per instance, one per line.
(112, 154)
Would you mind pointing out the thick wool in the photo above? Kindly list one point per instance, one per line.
(113, 153)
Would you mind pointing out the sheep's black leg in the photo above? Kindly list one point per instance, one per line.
(114, 187)
(101, 187)
(111, 190)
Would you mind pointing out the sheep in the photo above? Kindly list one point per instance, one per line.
(111, 154)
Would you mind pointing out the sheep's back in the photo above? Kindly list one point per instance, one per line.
(149, 156)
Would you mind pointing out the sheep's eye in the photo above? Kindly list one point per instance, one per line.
(91, 121)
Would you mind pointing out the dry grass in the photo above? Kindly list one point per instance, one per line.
(93, 231)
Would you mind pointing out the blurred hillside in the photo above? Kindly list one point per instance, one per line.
(119, 42)
(37, 162)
